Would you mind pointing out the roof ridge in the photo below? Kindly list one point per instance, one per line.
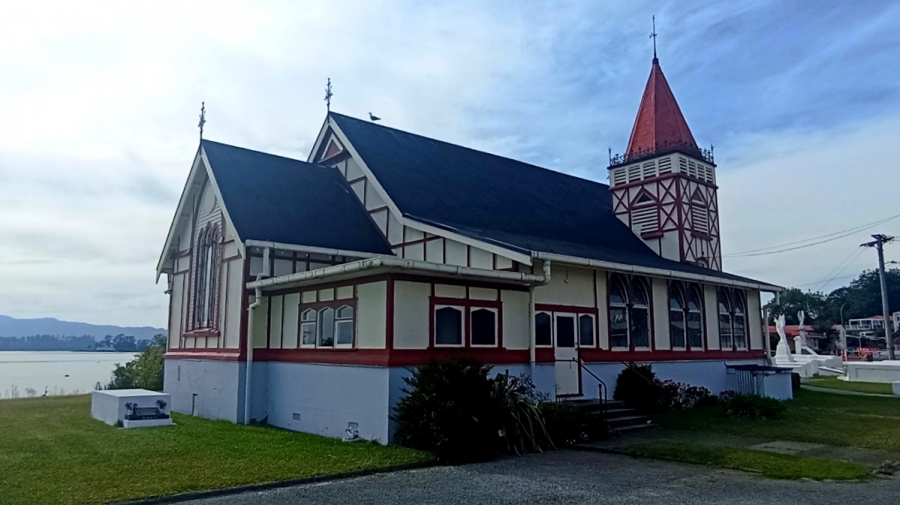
(263, 153)
(404, 132)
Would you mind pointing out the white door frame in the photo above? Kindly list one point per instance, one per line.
(567, 369)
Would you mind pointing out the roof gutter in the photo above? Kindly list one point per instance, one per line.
(655, 272)
(403, 264)
(309, 249)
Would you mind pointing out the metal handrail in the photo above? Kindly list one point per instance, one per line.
(602, 389)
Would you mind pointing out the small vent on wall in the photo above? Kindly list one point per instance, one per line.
(645, 220)
(634, 173)
(682, 165)
(665, 165)
(649, 169)
(620, 176)
(295, 416)
(700, 219)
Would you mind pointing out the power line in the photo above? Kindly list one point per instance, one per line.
(830, 237)
(846, 263)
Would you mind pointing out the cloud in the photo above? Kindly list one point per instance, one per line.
(99, 104)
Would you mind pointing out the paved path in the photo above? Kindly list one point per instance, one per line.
(869, 457)
(571, 478)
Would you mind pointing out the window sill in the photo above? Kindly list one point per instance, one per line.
(202, 333)
(652, 235)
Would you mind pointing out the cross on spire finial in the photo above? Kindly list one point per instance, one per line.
(328, 95)
(202, 118)
(653, 36)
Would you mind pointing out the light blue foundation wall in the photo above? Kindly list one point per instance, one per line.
(323, 399)
(207, 388)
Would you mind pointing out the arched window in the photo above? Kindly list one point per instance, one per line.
(694, 296)
(308, 328)
(484, 327)
(726, 338)
(677, 316)
(326, 328)
(543, 330)
(343, 327)
(739, 320)
(629, 312)
(585, 330)
(206, 278)
(618, 312)
(448, 326)
(732, 319)
(639, 314)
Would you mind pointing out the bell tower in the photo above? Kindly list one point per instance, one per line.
(664, 186)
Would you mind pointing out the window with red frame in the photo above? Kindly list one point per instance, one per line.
(207, 267)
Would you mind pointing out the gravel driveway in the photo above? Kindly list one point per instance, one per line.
(570, 477)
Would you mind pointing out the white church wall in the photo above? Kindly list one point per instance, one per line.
(176, 314)
(290, 329)
(660, 313)
(371, 310)
(516, 330)
(602, 309)
(568, 286)
(411, 315)
(710, 296)
(456, 253)
(754, 320)
(276, 321)
(259, 329)
(231, 309)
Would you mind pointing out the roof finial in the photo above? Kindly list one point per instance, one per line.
(202, 118)
(328, 95)
(653, 36)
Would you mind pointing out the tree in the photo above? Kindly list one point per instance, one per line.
(145, 371)
(124, 343)
(793, 300)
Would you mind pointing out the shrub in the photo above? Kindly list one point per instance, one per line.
(755, 407)
(449, 410)
(144, 372)
(521, 419)
(696, 397)
(638, 387)
(726, 396)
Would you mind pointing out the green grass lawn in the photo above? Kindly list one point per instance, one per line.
(823, 418)
(53, 452)
(775, 466)
(861, 387)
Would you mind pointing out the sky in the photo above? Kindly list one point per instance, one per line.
(99, 104)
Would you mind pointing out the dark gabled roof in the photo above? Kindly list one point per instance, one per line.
(495, 199)
(289, 201)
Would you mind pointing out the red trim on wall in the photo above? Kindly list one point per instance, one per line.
(206, 354)
(418, 357)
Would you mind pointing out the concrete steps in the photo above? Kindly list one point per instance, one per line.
(617, 416)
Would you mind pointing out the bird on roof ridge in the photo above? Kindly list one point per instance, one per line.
(373, 117)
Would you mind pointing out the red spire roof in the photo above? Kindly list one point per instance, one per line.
(659, 124)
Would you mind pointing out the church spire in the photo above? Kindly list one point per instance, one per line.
(659, 126)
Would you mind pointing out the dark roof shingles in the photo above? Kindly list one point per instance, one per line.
(501, 200)
(277, 199)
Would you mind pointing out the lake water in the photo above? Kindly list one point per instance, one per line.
(59, 373)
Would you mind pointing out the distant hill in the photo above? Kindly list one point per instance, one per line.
(12, 327)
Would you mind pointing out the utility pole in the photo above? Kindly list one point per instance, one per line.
(878, 244)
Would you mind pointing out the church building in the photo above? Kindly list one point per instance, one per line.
(301, 292)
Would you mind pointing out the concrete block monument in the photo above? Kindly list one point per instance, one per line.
(132, 408)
